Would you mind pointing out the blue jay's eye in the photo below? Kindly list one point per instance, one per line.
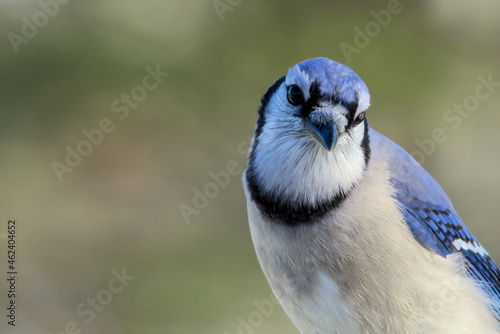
(359, 119)
(294, 95)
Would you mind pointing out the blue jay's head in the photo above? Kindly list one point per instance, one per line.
(311, 139)
(327, 97)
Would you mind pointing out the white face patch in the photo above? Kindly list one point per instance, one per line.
(290, 162)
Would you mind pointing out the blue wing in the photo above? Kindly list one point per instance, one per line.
(432, 219)
(442, 231)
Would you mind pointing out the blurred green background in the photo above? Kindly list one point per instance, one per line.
(119, 208)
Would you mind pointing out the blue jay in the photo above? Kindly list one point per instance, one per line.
(352, 234)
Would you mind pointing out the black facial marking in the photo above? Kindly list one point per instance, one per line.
(263, 104)
(365, 144)
(351, 108)
(287, 212)
(315, 97)
(261, 119)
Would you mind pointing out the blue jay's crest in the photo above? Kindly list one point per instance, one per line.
(324, 78)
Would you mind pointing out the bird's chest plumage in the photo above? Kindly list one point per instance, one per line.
(318, 309)
(345, 273)
(302, 275)
(361, 271)
(323, 289)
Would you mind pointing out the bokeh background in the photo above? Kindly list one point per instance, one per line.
(119, 208)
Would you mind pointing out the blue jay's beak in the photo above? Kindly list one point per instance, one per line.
(326, 133)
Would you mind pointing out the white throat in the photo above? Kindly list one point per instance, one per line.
(290, 163)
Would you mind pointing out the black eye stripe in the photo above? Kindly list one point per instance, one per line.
(315, 96)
